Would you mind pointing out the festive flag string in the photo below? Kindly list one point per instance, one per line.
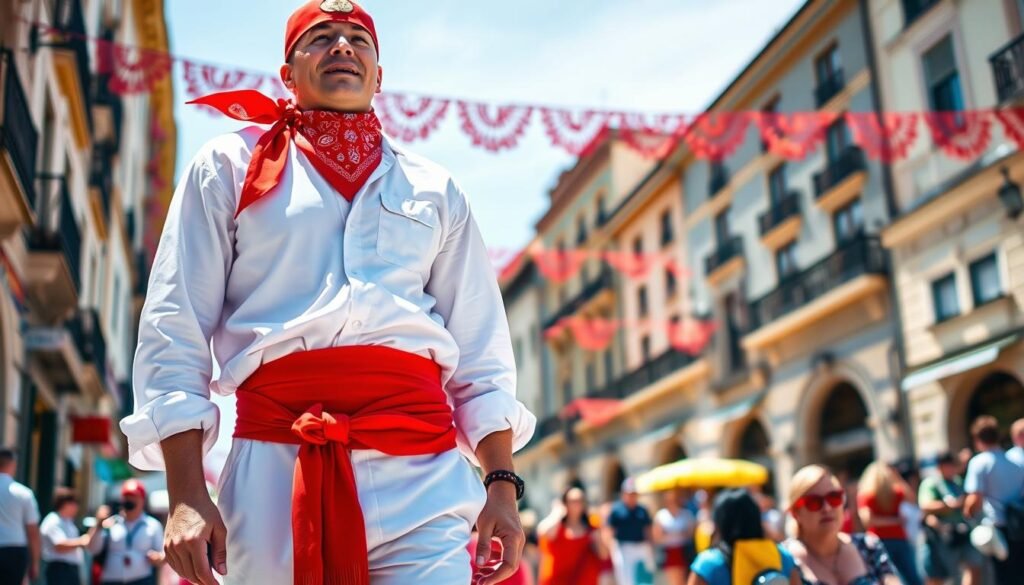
(714, 136)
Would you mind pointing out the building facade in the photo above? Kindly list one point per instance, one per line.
(864, 308)
(80, 169)
(957, 243)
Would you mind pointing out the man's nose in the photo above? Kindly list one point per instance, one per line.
(342, 46)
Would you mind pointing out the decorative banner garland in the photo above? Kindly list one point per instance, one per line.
(689, 335)
(886, 137)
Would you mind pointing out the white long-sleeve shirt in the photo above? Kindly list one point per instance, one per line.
(403, 265)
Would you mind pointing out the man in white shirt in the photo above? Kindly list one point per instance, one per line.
(130, 542)
(354, 313)
(19, 525)
(62, 542)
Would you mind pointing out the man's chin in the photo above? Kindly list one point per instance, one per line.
(347, 99)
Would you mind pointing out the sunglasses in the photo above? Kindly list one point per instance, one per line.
(815, 502)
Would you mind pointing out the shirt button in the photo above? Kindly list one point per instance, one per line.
(357, 324)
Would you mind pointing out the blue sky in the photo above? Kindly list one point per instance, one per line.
(658, 55)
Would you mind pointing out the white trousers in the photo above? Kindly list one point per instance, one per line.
(418, 511)
(625, 558)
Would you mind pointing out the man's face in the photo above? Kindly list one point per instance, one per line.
(630, 499)
(334, 67)
(947, 469)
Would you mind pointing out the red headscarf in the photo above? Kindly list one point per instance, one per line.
(345, 148)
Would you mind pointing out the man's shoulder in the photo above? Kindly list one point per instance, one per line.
(21, 491)
(425, 173)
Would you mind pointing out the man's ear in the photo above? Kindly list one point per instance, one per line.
(286, 77)
(380, 77)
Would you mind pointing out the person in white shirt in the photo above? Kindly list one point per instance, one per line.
(355, 315)
(131, 543)
(673, 530)
(1016, 453)
(62, 542)
(19, 525)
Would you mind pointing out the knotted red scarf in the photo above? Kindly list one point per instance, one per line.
(329, 401)
(345, 148)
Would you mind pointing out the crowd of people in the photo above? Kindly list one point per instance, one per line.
(963, 523)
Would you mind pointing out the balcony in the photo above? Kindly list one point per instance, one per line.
(593, 289)
(725, 261)
(1008, 71)
(53, 269)
(71, 59)
(842, 180)
(914, 9)
(18, 141)
(92, 346)
(653, 371)
(829, 88)
(854, 273)
(781, 223)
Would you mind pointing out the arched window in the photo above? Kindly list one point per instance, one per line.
(846, 442)
(999, 395)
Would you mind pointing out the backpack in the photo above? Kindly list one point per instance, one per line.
(755, 562)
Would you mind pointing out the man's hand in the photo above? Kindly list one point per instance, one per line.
(499, 519)
(33, 571)
(192, 526)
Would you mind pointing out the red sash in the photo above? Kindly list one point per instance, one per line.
(329, 401)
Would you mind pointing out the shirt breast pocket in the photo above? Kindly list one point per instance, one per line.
(409, 232)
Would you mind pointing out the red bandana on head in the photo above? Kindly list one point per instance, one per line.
(345, 148)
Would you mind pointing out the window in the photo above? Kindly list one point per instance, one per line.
(827, 66)
(115, 311)
(942, 78)
(638, 246)
(985, 285)
(666, 228)
(848, 222)
(642, 301)
(591, 377)
(785, 260)
(837, 139)
(719, 177)
(945, 298)
(645, 348)
(722, 227)
(601, 211)
(777, 185)
(581, 230)
(670, 284)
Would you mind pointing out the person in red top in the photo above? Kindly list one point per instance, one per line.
(879, 494)
(571, 548)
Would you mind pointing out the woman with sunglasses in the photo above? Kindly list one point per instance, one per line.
(824, 554)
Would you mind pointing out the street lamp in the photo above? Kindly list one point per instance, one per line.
(1010, 195)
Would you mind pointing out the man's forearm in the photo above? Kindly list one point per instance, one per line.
(35, 548)
(183, 457)
(495, 451)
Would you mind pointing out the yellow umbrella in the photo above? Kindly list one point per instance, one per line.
(702, 473)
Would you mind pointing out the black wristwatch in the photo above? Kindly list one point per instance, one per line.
(505, 475)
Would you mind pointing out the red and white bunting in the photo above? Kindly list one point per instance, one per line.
(794, 135)
(559, 266)
(716, 135)
(652, 135)
(204, 79)
(887, 136)
(690, 335)
(962, 135)
(409, 118)
(494, 128)
(632, 265)
(1013, 124)
(573, 131)
(592, 334)
(131, 69)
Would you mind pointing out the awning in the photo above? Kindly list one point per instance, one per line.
(734, 410)
(968, 360)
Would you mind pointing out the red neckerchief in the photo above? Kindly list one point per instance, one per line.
(345, 148)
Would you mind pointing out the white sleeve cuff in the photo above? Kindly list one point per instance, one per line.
(164, 416)
(489, 413)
